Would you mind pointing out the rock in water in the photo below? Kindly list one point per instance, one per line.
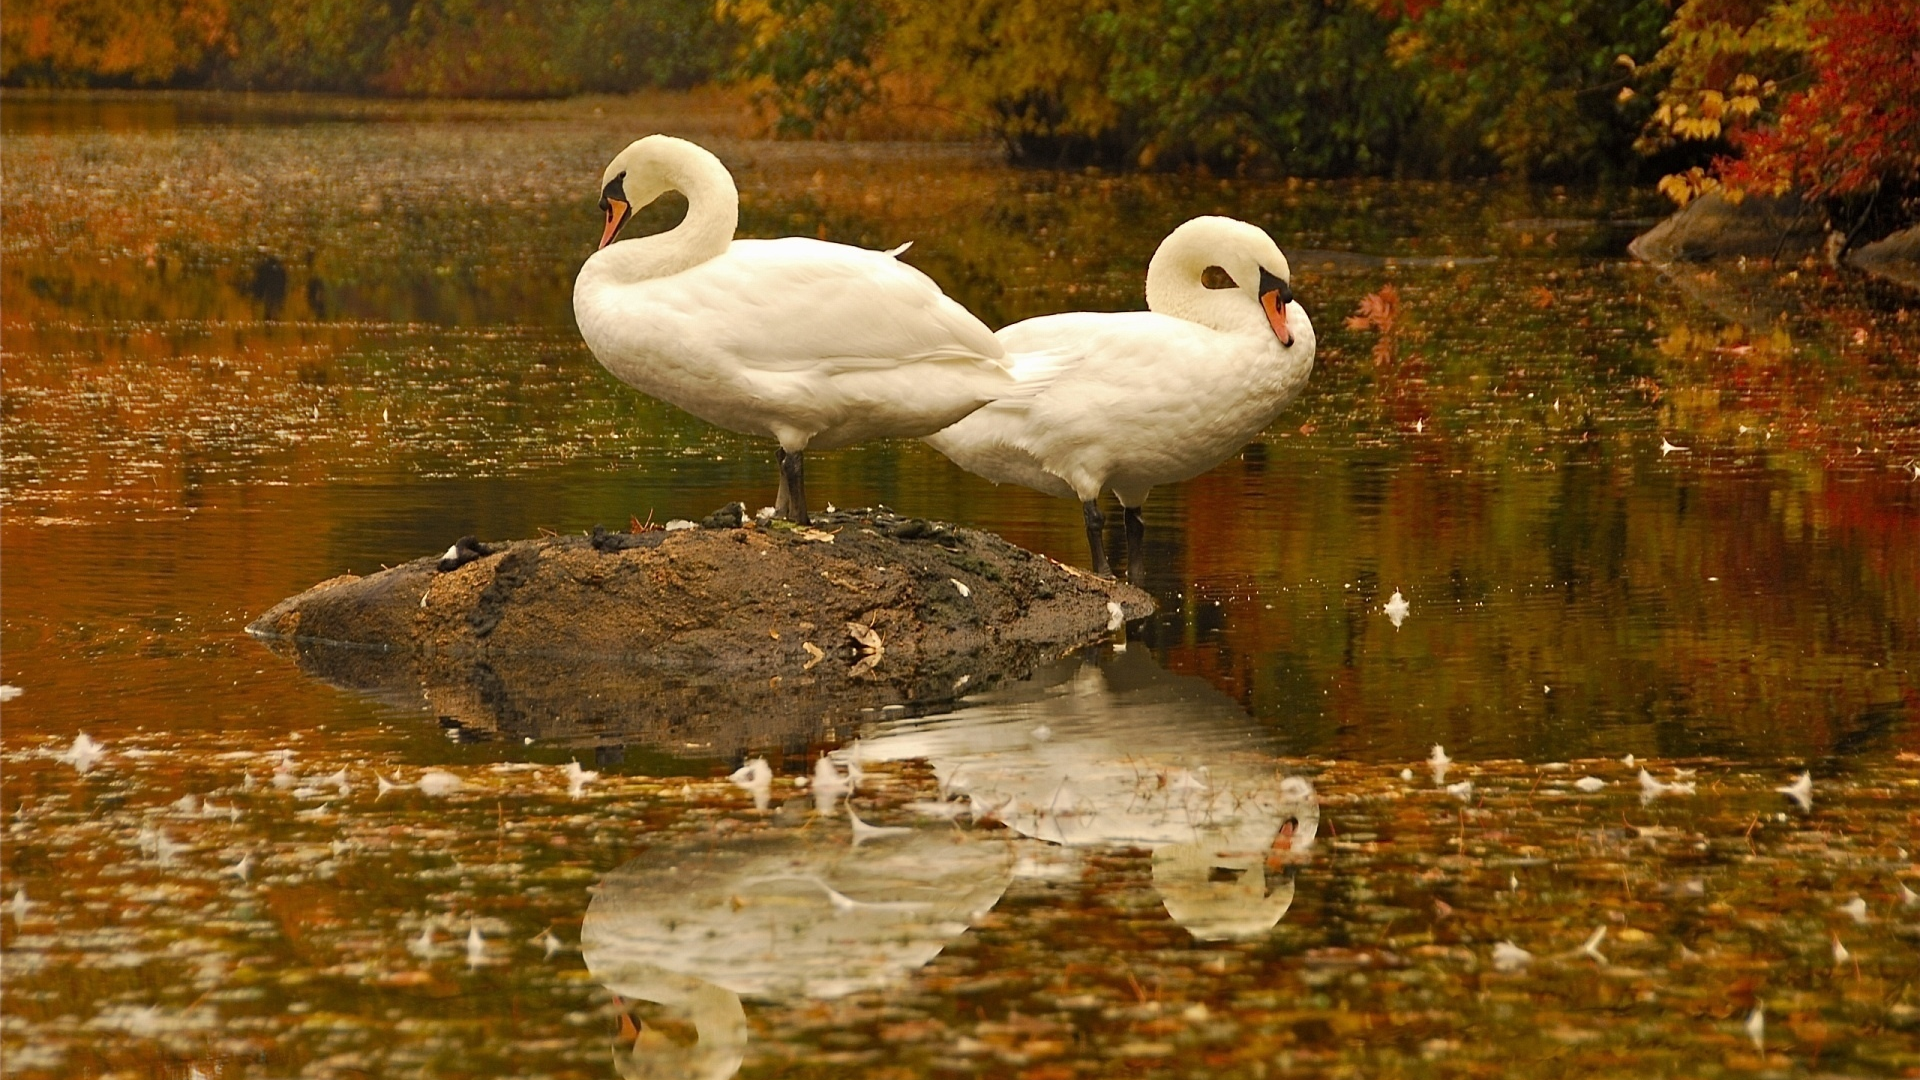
(715, 637)
(730, 516)
(1895, 258)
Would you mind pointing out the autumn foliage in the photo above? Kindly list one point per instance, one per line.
(1821, 97)
(113, 41)
(438, 48)
(1858, 124)
(1308, 87)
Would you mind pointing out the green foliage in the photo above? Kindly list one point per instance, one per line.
(1533, 86)
(311, 44)
(615, 45)
(1306, 87)
(1310, 87)
(813, 59)
(1031, 71)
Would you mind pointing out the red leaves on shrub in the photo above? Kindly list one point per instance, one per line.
(1858, 123)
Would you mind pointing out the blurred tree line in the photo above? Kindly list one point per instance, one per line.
(1305, 87)
(1730, 95)
(420, 48)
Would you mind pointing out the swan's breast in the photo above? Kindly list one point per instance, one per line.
(1149, 399)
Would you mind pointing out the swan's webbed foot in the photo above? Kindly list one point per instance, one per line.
(1096, 536)
(793, 485)
(1136, 546)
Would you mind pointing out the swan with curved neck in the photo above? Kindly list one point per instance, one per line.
(1144, 398)
(719, 1020)
(813, 344)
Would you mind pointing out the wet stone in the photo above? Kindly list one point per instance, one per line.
(731, 635)
(730, 516)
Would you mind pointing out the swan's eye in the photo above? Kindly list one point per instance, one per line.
(616, 189)
(1216, 277)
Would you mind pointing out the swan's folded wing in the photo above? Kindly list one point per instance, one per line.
(791, 304)
(1048, 349)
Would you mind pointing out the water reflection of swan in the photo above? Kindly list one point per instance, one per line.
(813, 344)
(1115, 753)
(1148, 397)
(1126, 754)
(716, 1014)
(792, 913)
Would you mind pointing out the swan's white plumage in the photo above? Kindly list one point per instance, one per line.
(1142, 398)
(815, 344)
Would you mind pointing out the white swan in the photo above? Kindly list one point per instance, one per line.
(1133, 757)
(814, 344)
(1143, 398)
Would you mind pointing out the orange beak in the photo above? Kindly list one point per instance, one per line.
(1275, 295)
(1282, 847)
(618, 211)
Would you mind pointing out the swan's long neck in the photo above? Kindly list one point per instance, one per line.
(717, 1016)
(659, 165)
(1174, 281)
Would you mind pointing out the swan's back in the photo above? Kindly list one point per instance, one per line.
(844, 305)
(1146, 399)
(811, 342)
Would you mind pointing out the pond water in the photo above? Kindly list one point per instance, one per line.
(253, 343)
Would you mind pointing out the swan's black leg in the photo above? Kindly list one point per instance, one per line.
(792, 472)
(784, 500)
(1136, 546)
(1096, 536)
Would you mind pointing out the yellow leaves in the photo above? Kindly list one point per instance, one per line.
(1685, 187)
(1406, 47)
(1707, 113)
(1696, 127)
(757, 17)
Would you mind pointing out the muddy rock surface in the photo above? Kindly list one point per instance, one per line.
(698, 640)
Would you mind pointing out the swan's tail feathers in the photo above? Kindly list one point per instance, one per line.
(899, 251)
(1033, 372)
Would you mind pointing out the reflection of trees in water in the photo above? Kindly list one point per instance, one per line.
(1664, 608)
